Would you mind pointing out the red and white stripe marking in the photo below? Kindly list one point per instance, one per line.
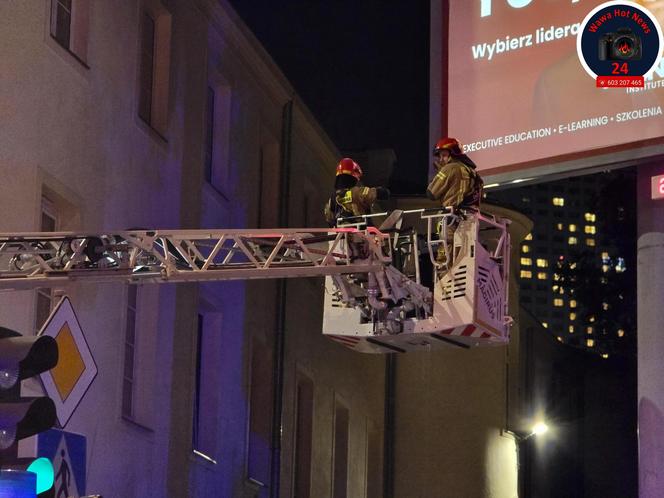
(347, 340)
(466, 331)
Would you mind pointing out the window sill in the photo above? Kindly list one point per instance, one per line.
(151, 131)
(72, 54)
(137, 425)
(216, 192)
(197, 456)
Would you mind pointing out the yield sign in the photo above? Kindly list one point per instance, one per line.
(69, 380)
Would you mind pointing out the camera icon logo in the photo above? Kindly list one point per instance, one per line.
(621, 45)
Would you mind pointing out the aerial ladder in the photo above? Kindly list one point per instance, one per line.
(374, 299)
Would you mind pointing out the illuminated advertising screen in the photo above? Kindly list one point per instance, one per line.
(518, 94)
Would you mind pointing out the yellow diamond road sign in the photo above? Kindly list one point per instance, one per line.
(67, 383)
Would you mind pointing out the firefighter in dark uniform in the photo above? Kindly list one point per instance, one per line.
(351, 199)
(456, 184)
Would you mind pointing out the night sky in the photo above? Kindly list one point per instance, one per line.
(362, 68)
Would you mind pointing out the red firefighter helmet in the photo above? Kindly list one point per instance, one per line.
(451, 144)
(349, 167)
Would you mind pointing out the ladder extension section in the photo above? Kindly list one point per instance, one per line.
(31, 260)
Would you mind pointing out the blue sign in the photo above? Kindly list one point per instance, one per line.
(67, 451)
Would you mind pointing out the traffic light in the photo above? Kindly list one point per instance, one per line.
(21, 358)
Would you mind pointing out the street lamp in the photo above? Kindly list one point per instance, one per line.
(538, 429)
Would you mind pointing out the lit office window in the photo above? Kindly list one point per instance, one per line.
(542, 263)
(571, 329)
(590, 242)
(529, 236)
(526, 274)
(605, 256)
(605, 268)
(572, 303)
(541, 275)
(590, 343)
(589, 330)
(590, 229)
(589, 217)
(559, 226)
(605, 356)
(605, 306)
(572, 228)
(556, 277)
(526, 262)
(572, 316)
(591, 319)
(572, 241)
(557, 302)
(558, 201)
(621, 333)
(525, 249)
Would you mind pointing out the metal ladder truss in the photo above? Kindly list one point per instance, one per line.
(31, 260)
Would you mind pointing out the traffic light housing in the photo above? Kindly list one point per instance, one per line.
(22, 357)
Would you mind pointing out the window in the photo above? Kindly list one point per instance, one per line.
(374, 467)
(572, 241)
(590, 343)
(70, 25)
(570, 329)
(129, 353)
(542, 263)
(304, 399)
(525, 249)
(44, 297)
(269, 181)
(558, 302)
(340, 459)
(209, 133)
(526, 274)
(545, 325)
(529, 236)
(590, 242)
(572, 316)
(139, 367)
(572, 303)
(589, 229)
(526, 262)
(572, 228)
(559, 226)
(154, 66)
(589, 330)
(589, 217)
(558, 201)
(206, 391)
(147, 68)
(621, 333)
(260, 413)
(541, 275)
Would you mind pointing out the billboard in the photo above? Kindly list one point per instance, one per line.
(518, 96)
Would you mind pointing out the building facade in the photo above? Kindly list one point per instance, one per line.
(169, 114)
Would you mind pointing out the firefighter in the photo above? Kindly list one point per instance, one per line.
(456, 184)
(350, 199)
